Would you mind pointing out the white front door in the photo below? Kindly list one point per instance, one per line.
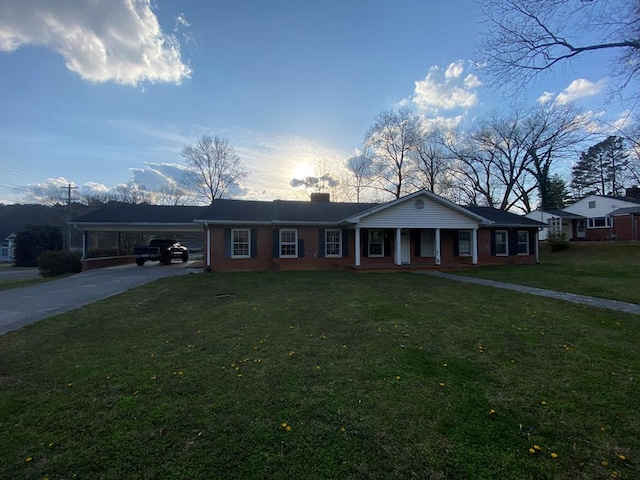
(405, 247)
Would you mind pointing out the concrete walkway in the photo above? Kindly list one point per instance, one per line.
(569, 297)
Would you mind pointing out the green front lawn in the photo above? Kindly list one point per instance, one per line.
(598, 269)
(321, 375)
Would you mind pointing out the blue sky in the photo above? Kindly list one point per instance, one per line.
(100, 93)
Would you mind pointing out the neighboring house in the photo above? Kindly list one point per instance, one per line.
(597, 212)
(558, 222)
(594, 217)
(7, 247)
(420, 230)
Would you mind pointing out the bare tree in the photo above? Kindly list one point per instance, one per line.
(526, 39)
(359, 168)
(432, 162)
(214, 169)
(131, 192)
(509, 157)
(171, 194)
(392, 139)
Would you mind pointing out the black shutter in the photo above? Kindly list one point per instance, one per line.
(364, 243)
(456, 243)
(416, 243)
(513, 242)
(321, 244)
(254, 243)
(276, 243)
(227, 243)
(345, 243)
(387, 243)
(532, 242)
(300, 248)
(493, 243)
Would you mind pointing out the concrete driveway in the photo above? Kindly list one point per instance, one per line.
(26, 305)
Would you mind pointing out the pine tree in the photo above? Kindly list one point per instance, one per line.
(600, 169)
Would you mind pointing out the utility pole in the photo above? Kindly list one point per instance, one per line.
(67, 231)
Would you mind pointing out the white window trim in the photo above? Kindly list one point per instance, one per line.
(381, 242)
(465, 254)
(326, 243)
(506, 243)
(592, 220)
(248, 230)
(519, 243)
(294, 243)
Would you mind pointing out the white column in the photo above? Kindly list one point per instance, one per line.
(398, 246)
(438, 259)
(474, 246)
(85, 240)
(357, 246)
(537, 246)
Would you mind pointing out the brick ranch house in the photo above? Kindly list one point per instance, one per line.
(420, 230)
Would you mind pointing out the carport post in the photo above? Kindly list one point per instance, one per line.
(85, 241)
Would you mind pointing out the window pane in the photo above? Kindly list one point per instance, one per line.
(333, 242)
(501, 243)
(427, 243)
(464, 243)
(287, 236)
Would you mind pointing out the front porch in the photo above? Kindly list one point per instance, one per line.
(414, 248)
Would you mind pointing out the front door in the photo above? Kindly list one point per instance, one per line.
(405, 247)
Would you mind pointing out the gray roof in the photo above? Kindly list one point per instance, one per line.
(280, 211)
(626, 211)
(502, 218)
(261, 212)
(562, 213)
(115, 212)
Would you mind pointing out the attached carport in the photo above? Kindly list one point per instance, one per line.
(143, 220)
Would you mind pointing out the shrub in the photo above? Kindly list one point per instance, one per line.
(33, 240)
(558, 242)
(54, 263)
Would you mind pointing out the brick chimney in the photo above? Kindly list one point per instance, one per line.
(320, 197)
(632, 192)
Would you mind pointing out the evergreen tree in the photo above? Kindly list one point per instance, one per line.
(600, 169)
(556, 193)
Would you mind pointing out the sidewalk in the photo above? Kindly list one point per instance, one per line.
(568, 297)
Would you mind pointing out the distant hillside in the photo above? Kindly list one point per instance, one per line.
(14, 217)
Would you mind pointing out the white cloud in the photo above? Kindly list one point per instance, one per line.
(100, 40)
(446, 90)
(546, 97)
(155, 176)
(580, 88)
(454, 70)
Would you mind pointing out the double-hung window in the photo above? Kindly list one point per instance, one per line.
(333, 243)
(502, 245)
(240, 243)
(288, 243)
(427, 243)
(523, 242)
(376, 243)
(464, 243)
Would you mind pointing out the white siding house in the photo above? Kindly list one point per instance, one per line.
(597, 212)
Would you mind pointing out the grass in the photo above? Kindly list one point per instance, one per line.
(605, 270)
(23, 282)
(377, 376)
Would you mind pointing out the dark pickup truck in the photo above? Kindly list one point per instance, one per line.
(161, 249)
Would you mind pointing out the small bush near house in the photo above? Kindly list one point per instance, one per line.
(54, 263)
(558, 242)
